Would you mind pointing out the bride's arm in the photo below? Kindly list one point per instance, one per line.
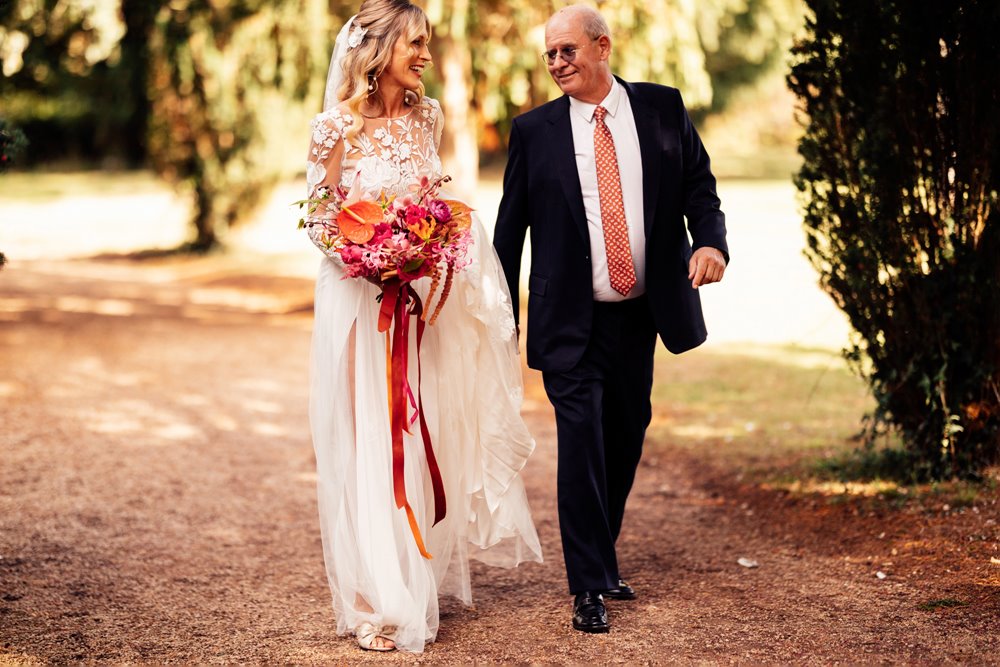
(323, 169)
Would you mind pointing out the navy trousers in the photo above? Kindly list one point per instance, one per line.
(602, 408)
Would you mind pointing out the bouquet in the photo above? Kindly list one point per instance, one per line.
(392, 242)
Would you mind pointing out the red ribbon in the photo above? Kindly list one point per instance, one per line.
(399, 302)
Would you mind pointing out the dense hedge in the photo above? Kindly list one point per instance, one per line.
(900, 189)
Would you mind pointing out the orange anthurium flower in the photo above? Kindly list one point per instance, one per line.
(357, 221)
(461, 214)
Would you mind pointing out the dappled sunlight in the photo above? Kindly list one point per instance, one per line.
(240, 299)
(177, 431)
(262, 385)
(309, 477)
(763, 402)
(221, 422)
(533, 405)
(193, 400)
(256, 405)
(698, 431)
(268, 429)
(14, 305)
(139, 418)
(105, 421)
(769, 296)
(787, 355)
(869, 489)
(77, 304)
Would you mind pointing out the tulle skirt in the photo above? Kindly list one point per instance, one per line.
(471, 388)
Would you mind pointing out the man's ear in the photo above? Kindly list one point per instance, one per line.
(604, 44)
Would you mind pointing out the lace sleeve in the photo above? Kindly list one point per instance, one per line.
(323, 169)
(438, 122)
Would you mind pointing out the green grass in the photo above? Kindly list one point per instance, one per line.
(943, 603)
(758, 405)
(789, 417)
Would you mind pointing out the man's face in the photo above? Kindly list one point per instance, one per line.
(586, 76)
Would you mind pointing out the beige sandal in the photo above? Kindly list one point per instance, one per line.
(373, 638)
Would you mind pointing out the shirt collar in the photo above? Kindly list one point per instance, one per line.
(586, 110)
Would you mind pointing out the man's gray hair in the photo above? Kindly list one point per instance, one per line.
(595, 26)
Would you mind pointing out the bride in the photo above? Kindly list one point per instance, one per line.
(379, 129)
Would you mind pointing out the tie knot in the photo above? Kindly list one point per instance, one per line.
(599, 114)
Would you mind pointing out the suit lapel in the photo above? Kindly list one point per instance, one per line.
(564, 158)
(647, 127)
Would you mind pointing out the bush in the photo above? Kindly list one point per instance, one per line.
(12, 145)
(900, 188)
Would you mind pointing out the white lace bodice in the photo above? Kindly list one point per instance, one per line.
(390, 154)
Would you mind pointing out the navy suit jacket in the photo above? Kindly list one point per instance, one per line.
(541, 194)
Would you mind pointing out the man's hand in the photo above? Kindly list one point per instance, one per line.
(706, 266)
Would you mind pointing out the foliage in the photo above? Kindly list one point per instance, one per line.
(900, 188)
(69, 77)
(12, 145)
(706, 49)
(233, 86)
(216, 95)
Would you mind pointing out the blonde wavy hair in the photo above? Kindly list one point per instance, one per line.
(385, 21)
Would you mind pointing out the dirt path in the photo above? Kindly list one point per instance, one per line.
(157, 505)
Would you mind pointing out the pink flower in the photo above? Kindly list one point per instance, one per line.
(383, 231)
(415, 214)
(440, 210)
(351, 254)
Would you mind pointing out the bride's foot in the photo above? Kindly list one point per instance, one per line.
(370, 639)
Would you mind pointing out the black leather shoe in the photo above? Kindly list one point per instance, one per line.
(589, 614)
(620, 592)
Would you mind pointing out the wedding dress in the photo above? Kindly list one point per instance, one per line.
(470, 385)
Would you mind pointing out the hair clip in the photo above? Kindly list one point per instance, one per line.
(356, 37)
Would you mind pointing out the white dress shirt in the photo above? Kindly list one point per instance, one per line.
(621, 123)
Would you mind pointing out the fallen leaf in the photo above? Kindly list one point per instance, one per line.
(748, 562)
(881, 575)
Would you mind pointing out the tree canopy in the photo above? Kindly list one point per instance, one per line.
(216, 95)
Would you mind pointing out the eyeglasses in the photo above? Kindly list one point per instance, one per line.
(567, 53)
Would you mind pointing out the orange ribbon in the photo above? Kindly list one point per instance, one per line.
(399, 302)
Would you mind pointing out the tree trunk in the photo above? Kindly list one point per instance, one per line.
(459, 146)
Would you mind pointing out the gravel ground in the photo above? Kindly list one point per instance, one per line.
(157, 505)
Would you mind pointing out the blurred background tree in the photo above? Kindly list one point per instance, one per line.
(70, 81)
(490, 68)
(215, 95)
(900, 185)
(233, 86)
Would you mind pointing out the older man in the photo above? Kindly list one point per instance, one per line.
(603, 178)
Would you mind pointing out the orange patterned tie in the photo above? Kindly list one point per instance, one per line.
(609, 190)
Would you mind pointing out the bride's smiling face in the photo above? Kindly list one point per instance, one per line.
(410, 56)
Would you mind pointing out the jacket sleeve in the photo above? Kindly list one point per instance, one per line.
(705, 219)
(512, 218)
